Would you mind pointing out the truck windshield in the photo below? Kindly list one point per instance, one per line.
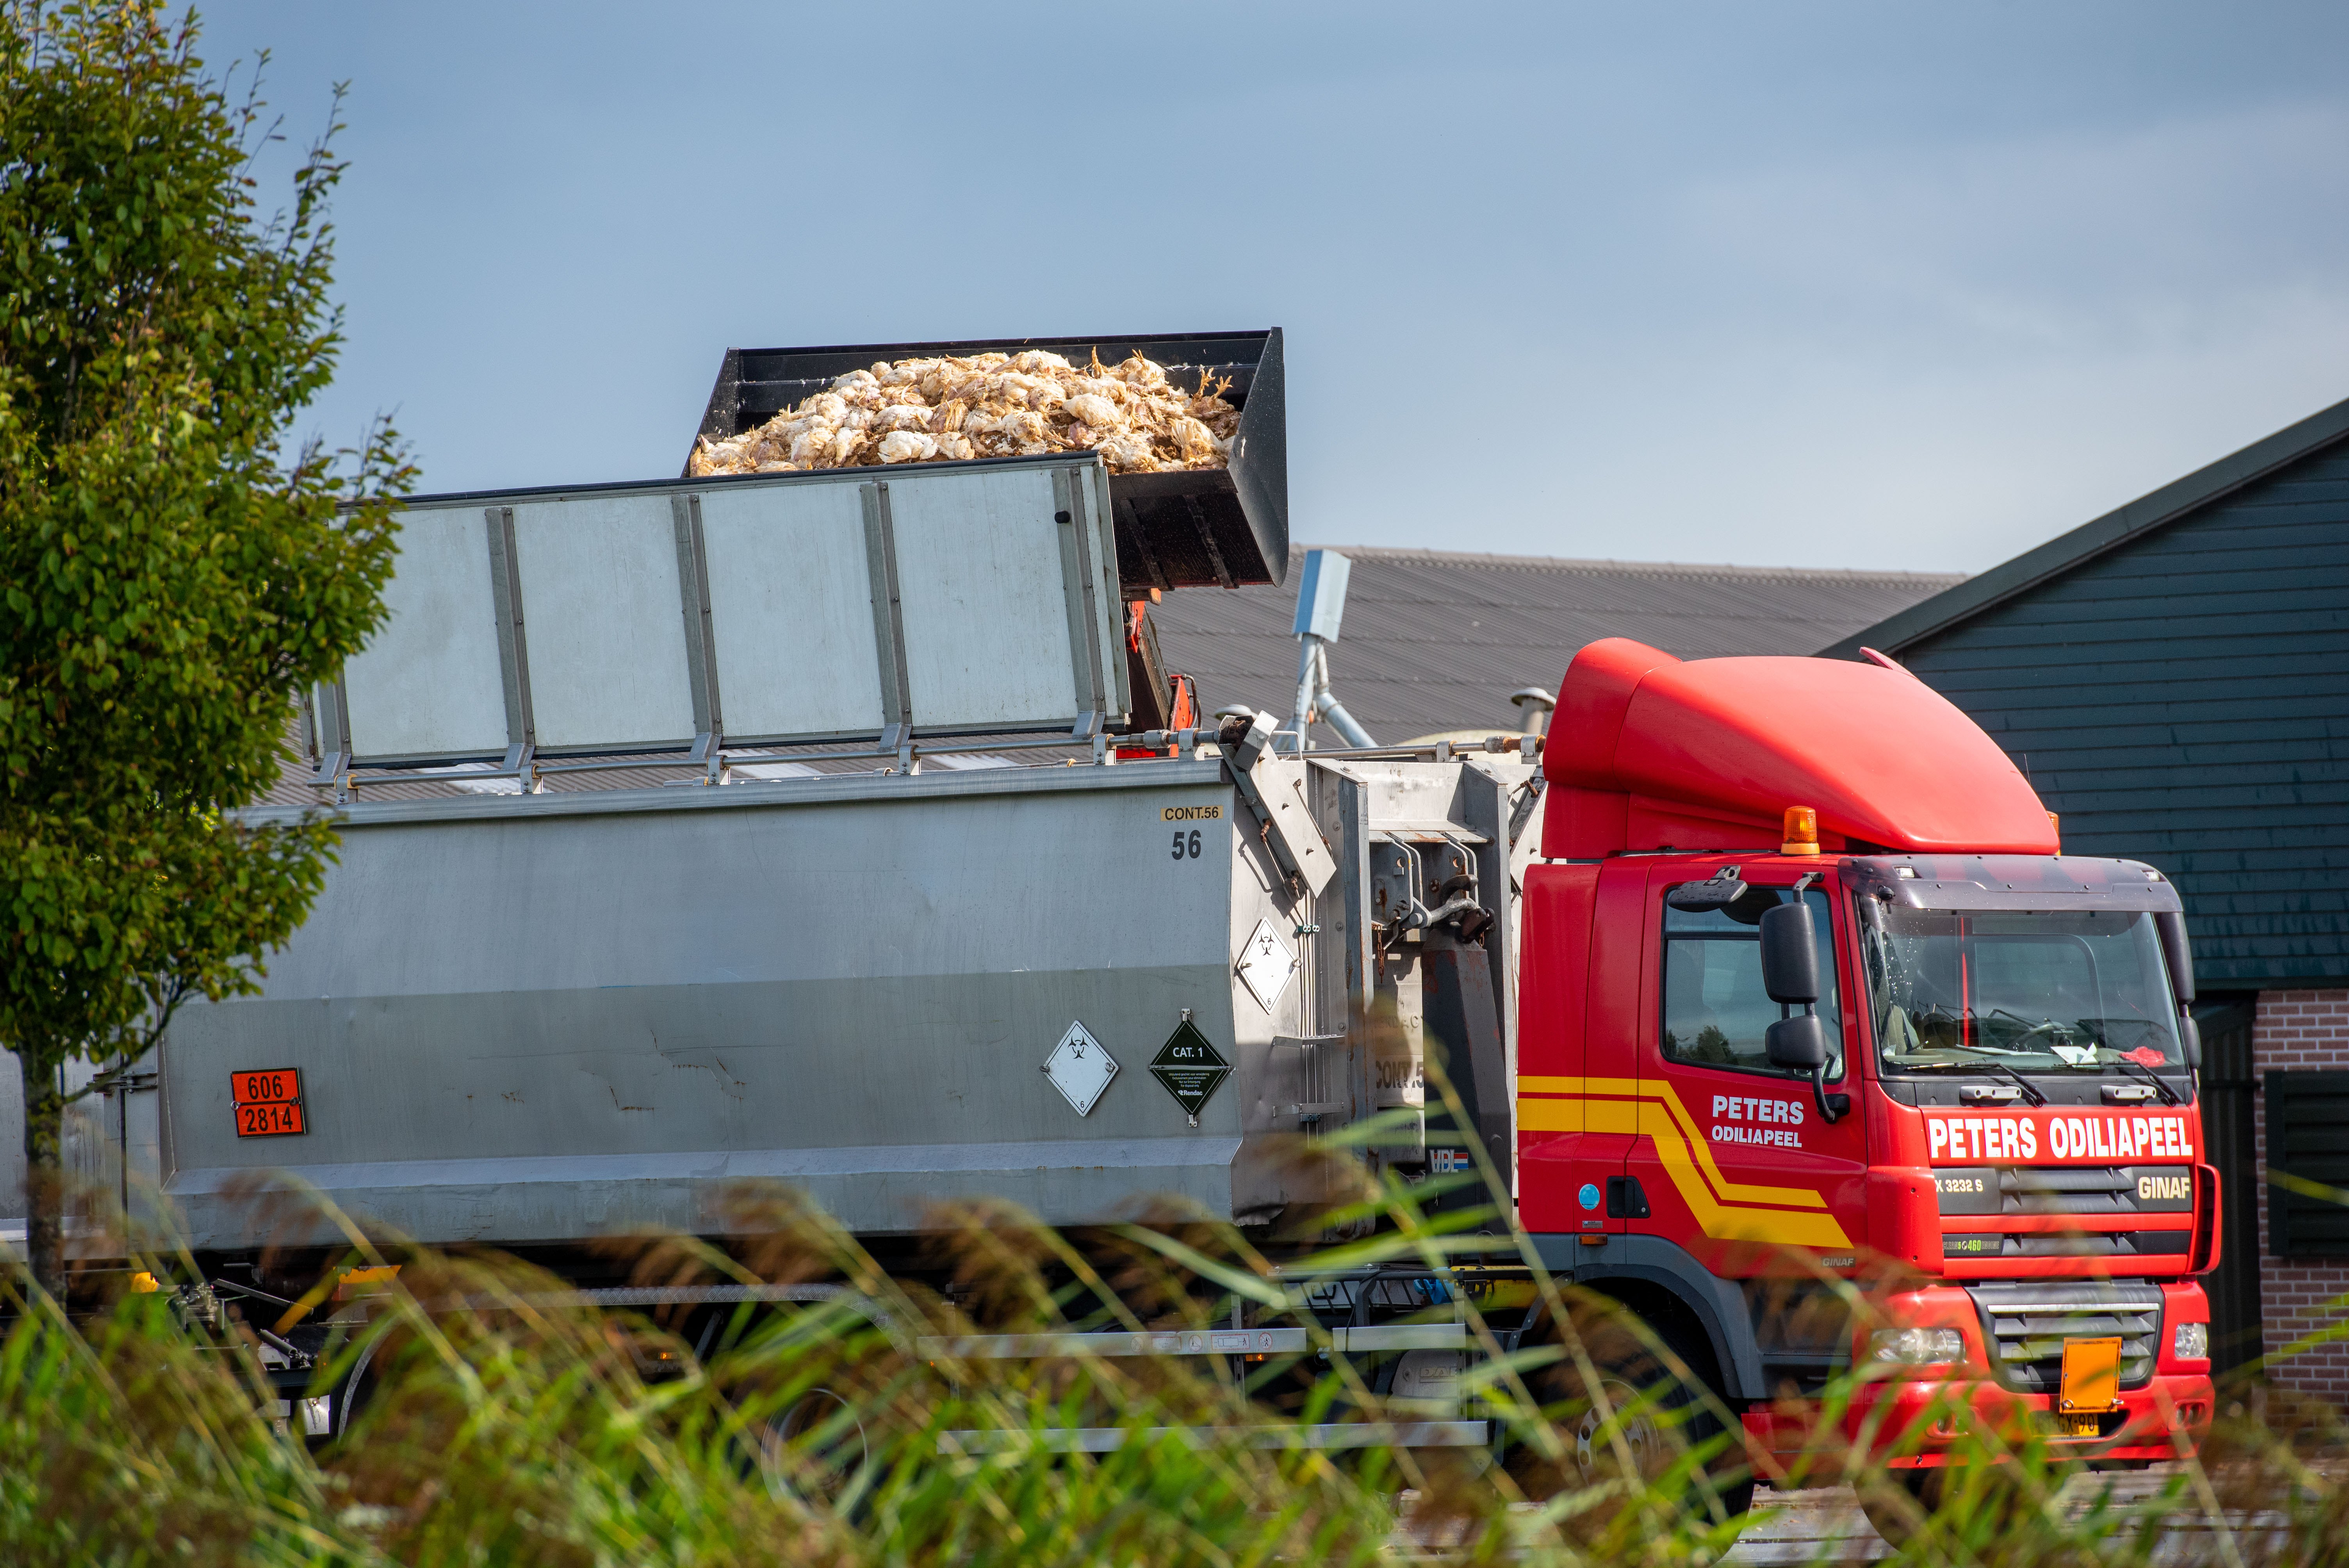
(2035, 992)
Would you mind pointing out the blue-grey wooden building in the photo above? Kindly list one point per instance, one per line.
(2174, 678)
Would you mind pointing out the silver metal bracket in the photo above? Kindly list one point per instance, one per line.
(1273, 795)
(708, 751)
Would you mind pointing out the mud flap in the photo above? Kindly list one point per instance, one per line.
(1463, 1024)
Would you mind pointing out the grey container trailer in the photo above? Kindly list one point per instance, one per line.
(539, 1020)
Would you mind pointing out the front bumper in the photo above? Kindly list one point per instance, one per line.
(1915, 1421)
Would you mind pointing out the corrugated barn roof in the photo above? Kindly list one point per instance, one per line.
(1438, 640)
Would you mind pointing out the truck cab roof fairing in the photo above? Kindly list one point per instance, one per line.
(1647, 752)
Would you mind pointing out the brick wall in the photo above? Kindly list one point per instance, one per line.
(2299, 1031)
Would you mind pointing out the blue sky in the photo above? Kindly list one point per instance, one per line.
(1834, 284)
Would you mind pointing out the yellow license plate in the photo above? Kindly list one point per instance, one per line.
(2078, 1425)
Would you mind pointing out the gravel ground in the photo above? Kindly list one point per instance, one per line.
(1825, 1525)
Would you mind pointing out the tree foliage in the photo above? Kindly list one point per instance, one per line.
(173, 567)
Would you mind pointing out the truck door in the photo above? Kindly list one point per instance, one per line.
(1735, 1161)
(1580, 986)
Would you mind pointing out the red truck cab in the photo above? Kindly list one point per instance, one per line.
(1998, 1137)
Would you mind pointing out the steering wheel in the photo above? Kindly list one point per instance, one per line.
(2029, 1029)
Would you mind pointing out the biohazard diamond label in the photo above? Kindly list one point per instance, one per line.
(1079, 1069)
(1265, 965)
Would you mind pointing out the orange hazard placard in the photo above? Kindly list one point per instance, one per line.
(268, 1101)
(2091, 1381)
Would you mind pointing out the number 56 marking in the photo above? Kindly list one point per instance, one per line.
(1187, 845)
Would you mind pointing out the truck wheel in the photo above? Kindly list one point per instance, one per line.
(806, 1452)
(1899, 1503)
(354, 1395)
(1667, 1418)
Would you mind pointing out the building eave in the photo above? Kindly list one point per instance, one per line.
(2068, 551)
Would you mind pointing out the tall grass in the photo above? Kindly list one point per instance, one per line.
(509, 1421)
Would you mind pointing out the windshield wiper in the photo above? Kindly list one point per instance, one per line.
(2161, 1085)
(2030, 1090)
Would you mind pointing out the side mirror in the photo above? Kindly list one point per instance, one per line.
(2176, 948)
(1790, 954)
(2189, 1039)
(1798, 1044)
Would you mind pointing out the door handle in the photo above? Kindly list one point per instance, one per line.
(1626, 1200)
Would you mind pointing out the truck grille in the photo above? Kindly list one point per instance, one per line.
(2171, 1245)
(2103, 1199)
(2025, 1326)
(2115, 1190)
(2093, 1190)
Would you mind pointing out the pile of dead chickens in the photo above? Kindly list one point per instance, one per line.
(988, 406)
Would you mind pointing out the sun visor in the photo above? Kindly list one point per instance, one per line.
(2063, 884)
(1709, 754)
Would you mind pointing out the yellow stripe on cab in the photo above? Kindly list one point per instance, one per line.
(1726, 1210)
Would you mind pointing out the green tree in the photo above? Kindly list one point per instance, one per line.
(174, 568)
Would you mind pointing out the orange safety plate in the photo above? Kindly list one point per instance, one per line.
(269, 1120)
(267, 1102)
(2092, 1376)
(265, 1085)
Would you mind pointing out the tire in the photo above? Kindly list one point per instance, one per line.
(1668, 1417)
(799, 1457)
(1898, 1503)
(354, 1394)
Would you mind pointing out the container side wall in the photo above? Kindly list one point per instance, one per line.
(519, 1025)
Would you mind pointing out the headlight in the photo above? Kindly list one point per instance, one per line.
(2191, 1342)
(1916, 1346)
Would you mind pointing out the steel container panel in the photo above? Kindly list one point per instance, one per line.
(602, 600)
(543, 1019)
(428, 683)
(791, 610)
(986, 599)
